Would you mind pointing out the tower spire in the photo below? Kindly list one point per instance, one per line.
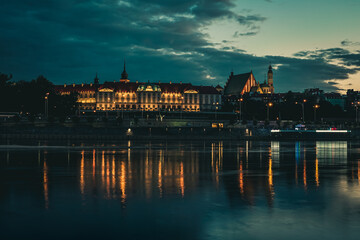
(270, 79)
(124, 75)
(96, 79)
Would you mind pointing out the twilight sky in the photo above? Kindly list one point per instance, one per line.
(310, 43)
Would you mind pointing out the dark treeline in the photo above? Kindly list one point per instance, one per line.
(28, 97)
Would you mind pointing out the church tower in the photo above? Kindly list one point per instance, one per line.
(96, 80)
(124, 75)
(270, 79)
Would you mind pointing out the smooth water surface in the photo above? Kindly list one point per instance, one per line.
(180, 190)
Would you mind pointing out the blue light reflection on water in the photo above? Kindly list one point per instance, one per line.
(177, 190)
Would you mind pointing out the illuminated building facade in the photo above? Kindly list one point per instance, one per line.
(245, 83)
(126, 95)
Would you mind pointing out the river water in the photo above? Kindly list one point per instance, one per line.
(180, 190)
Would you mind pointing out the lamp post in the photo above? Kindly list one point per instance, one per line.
(303, 109)
(240, 103)
(159, 106)
(46, 105)
(216, 108)
(269, 105)
(316, 106)
(356, 105)
(181, 106)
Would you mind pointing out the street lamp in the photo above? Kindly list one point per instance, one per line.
(240, 103)
(316, 106)
(303, 108)
(356, 105)
(269, 105)
(46, 105)
(216, 108)
(181, 106)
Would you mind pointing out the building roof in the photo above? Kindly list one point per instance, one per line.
(75, 88)
(133, 87)
(264, 85)
(236, 83)
(206, 90)
(174, 87)
(121, 86)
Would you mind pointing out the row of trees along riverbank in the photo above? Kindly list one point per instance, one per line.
(28, 97)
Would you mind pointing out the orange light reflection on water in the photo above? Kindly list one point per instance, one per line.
(182, 182)
(317, 173)
(241, 179)
(82, 164)
(45, 184)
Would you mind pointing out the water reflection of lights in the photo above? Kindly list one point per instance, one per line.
(160, 176)
(148, 175)
(241, 179)
(116, 174)
(217, 155)
(94, 164)
(113, 177)
(270, 173)
(304, 175)
(330, 152)
(247, 154)
(182, 182)
(123, 183)
(110, 173)
(358, 173)
(107, 172)
(275, 152)
(317, 172)
(82, 181)
(270, 176)
(102, 168)
(45, 184)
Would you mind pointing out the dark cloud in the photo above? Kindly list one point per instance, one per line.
(250, 20)
(342, 55)
(347, 43)
(70, 40)
(237, 34)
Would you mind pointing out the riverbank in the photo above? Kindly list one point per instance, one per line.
(86, 132)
